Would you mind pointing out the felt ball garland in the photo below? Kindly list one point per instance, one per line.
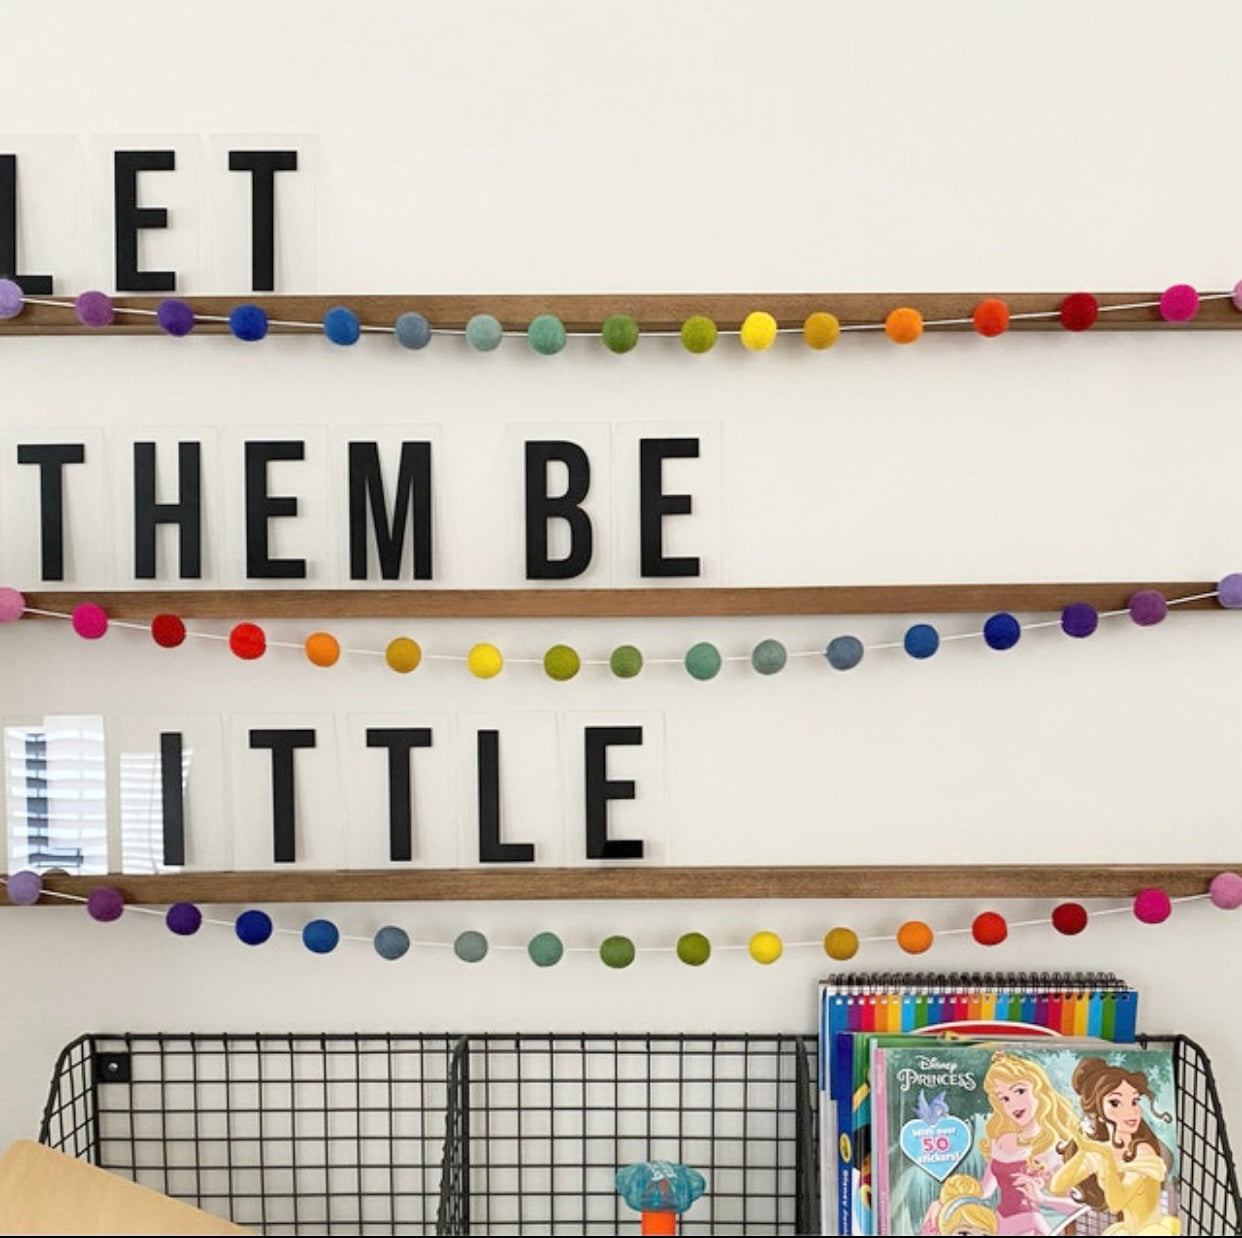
(255, 927)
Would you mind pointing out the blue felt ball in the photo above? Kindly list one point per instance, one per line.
(341, 325)
(174, 316)
(412, 331)
(248, 322)
(253, 927)
(844, 652)
(484, 333)
(321, 936)
(391, 942)
(1002, 631)
(921, 640)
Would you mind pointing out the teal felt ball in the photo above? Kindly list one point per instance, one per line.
(470, 947)
(768, 657)
(484, 333)
(546, 334)
(545, 949)
(620, 333)
(703, 661)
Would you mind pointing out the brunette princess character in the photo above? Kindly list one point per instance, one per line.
(1120, 1164)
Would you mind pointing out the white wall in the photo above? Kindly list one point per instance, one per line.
(811, 147)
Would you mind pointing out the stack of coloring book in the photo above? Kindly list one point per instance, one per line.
(859, 1011)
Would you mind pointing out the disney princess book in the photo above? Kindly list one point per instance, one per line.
(1018, 1137)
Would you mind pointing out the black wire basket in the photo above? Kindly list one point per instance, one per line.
(495, 1134)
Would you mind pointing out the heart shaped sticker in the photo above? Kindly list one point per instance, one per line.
(936, 1147)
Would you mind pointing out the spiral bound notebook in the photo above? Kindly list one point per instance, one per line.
(856, 1009)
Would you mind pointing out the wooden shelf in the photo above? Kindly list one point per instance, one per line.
(653, 312)
(535, 603)
(649, 882)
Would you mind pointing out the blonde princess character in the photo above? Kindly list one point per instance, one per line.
(960, 1209)
(1030, 1130)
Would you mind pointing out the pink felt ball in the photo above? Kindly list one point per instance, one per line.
(12, 605)
(1152, 906)
(1237, 294)
(1225, 891)
(90, 621)
(1180, 303)
(94, 309)
(105, 904)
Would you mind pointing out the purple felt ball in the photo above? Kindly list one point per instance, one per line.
(1148, 607)
(1229, 591)
(89, 620)
(1152, 906)
(1079, 619)
(183, 919)
(1237, 294)
(11, 302)
(1225, 891)
(12, 605)
(94, 309)
(1180, 303)
(175, 316)
(105, 904)
(25, 887)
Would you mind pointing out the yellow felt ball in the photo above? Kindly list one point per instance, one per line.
(821, 330)
(765, 947)
(841, 944)
(485, 661)
(322, 649)
(758, 331)
(403, 654)
(904, 325)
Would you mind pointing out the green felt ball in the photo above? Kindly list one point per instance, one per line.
(703, 661)
(561, 662)
(768, 657)
(620, 332)
(694, 949)
(545, 949)
(698, 333)
(616, 951)
(546, 334)
(626, 662)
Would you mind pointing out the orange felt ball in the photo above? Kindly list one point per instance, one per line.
(904, 325)
(914, 937)
(991, 317)
(322, 648)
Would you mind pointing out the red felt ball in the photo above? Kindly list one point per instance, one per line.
(1079, 311)
(989, 928)
(247, 641)
(1069, 918)
(991, 317)
(167, 631)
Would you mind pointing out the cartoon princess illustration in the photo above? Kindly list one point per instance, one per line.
(1119, 1164)
(1030, 1130)
(960, 1209)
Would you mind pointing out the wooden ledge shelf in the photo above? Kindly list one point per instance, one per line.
(653, 312)
(553, 603)
(1042, 881)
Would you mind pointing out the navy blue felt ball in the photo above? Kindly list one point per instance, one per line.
(1002, 631)
(341, 325)
(253, 927)
(248, 322)
(921, 640)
